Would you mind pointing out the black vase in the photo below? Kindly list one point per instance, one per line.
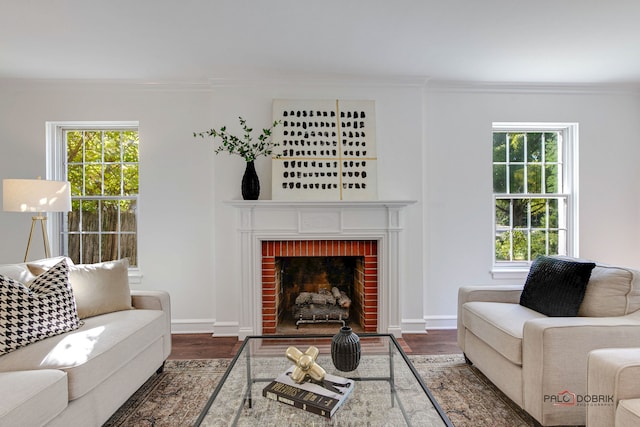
(250, 183)
(345, 349)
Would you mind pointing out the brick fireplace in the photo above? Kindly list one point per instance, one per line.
(268, 229)
(365, 284)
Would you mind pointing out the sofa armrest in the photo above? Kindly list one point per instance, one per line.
(491, 293)
(612, 375)
(155, 300)
(555, 352)
(151, 300)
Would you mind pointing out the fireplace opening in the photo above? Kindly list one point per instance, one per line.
(321, 291)
(342, 270)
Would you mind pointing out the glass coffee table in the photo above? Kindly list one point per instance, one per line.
(388, 390)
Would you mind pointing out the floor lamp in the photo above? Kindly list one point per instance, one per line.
(38, 196)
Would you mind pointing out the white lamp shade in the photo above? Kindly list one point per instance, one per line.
(36, 195)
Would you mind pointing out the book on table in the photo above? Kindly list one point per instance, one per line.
(322, 399)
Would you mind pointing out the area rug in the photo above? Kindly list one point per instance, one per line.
(176, 396)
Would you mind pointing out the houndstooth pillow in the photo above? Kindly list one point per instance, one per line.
(44, 309)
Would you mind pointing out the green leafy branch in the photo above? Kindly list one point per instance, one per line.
(243, 147)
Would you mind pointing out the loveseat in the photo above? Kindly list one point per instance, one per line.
(613, 385)
(115, 340)
(540, 360)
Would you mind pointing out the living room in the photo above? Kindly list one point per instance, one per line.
(439, 74)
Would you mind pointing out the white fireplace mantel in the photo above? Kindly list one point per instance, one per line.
(260, 220)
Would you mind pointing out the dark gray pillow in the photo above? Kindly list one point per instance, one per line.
(556, 287)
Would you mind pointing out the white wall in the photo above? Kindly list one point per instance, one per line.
(459, 179)
(187, 237)
(434, 148)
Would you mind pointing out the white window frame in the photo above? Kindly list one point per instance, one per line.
(518, 270)
(56, 158)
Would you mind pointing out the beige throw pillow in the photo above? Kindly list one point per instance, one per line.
(101, 288)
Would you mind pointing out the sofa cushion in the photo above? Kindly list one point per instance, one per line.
(556, 287)
(612, 291)
(94, 351)
(628, 413)
(101, 288)
(23, 272)
(500, 325)
(32, 398)
(44, 309)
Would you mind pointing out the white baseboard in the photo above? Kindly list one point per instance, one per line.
(192, 326)
(413, 326)
(227, 329)
(232, 329)
(441, 322)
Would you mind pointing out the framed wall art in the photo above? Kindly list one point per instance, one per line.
(327, 150)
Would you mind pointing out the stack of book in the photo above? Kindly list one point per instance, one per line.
(322, 399)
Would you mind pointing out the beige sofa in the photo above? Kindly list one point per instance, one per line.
(81, 377)
(540, 362)
(613, 384)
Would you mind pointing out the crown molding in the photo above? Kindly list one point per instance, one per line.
(435, 86)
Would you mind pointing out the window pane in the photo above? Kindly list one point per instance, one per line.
(74, 176)
(538, 243)
(73, 218)
(74, 146)
(534, 179)
(128, 248)
(538, 213)
(73, 248)
(520, 245)
(109, 247)
(112, 146)
(553, 213)
(90, 215)
(516, 179)
(92, 146)
(109, 215)
(503, 246)
(112, 182)
(93, 180)
(553, 242)
(552, 179)
(520, 213)
(499, 147)
(503, 213)
(130, 173)
(516, 147)
(551, 146)
(534, 147)
(130, 146)
(499, 178)
(90, 248)
(128, 215)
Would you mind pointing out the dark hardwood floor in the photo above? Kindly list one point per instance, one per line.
(205, 346)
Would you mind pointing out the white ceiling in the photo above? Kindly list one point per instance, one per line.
(517, 41)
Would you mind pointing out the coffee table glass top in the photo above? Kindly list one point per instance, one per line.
(388, 391)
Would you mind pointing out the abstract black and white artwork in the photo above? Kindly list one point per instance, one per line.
(327, 150)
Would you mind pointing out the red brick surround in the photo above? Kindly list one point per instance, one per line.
(366, 290)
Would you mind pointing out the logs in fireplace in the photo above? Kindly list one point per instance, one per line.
(323, 306)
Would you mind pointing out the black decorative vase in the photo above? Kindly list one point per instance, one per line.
(250, 183)
(345, 349)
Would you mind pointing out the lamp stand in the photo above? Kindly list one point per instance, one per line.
(43, 223)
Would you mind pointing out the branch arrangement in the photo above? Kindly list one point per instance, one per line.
(243, 147)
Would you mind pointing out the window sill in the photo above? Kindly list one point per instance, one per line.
(135, 276)
(510, 273)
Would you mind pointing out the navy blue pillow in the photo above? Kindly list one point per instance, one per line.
(555, 287)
